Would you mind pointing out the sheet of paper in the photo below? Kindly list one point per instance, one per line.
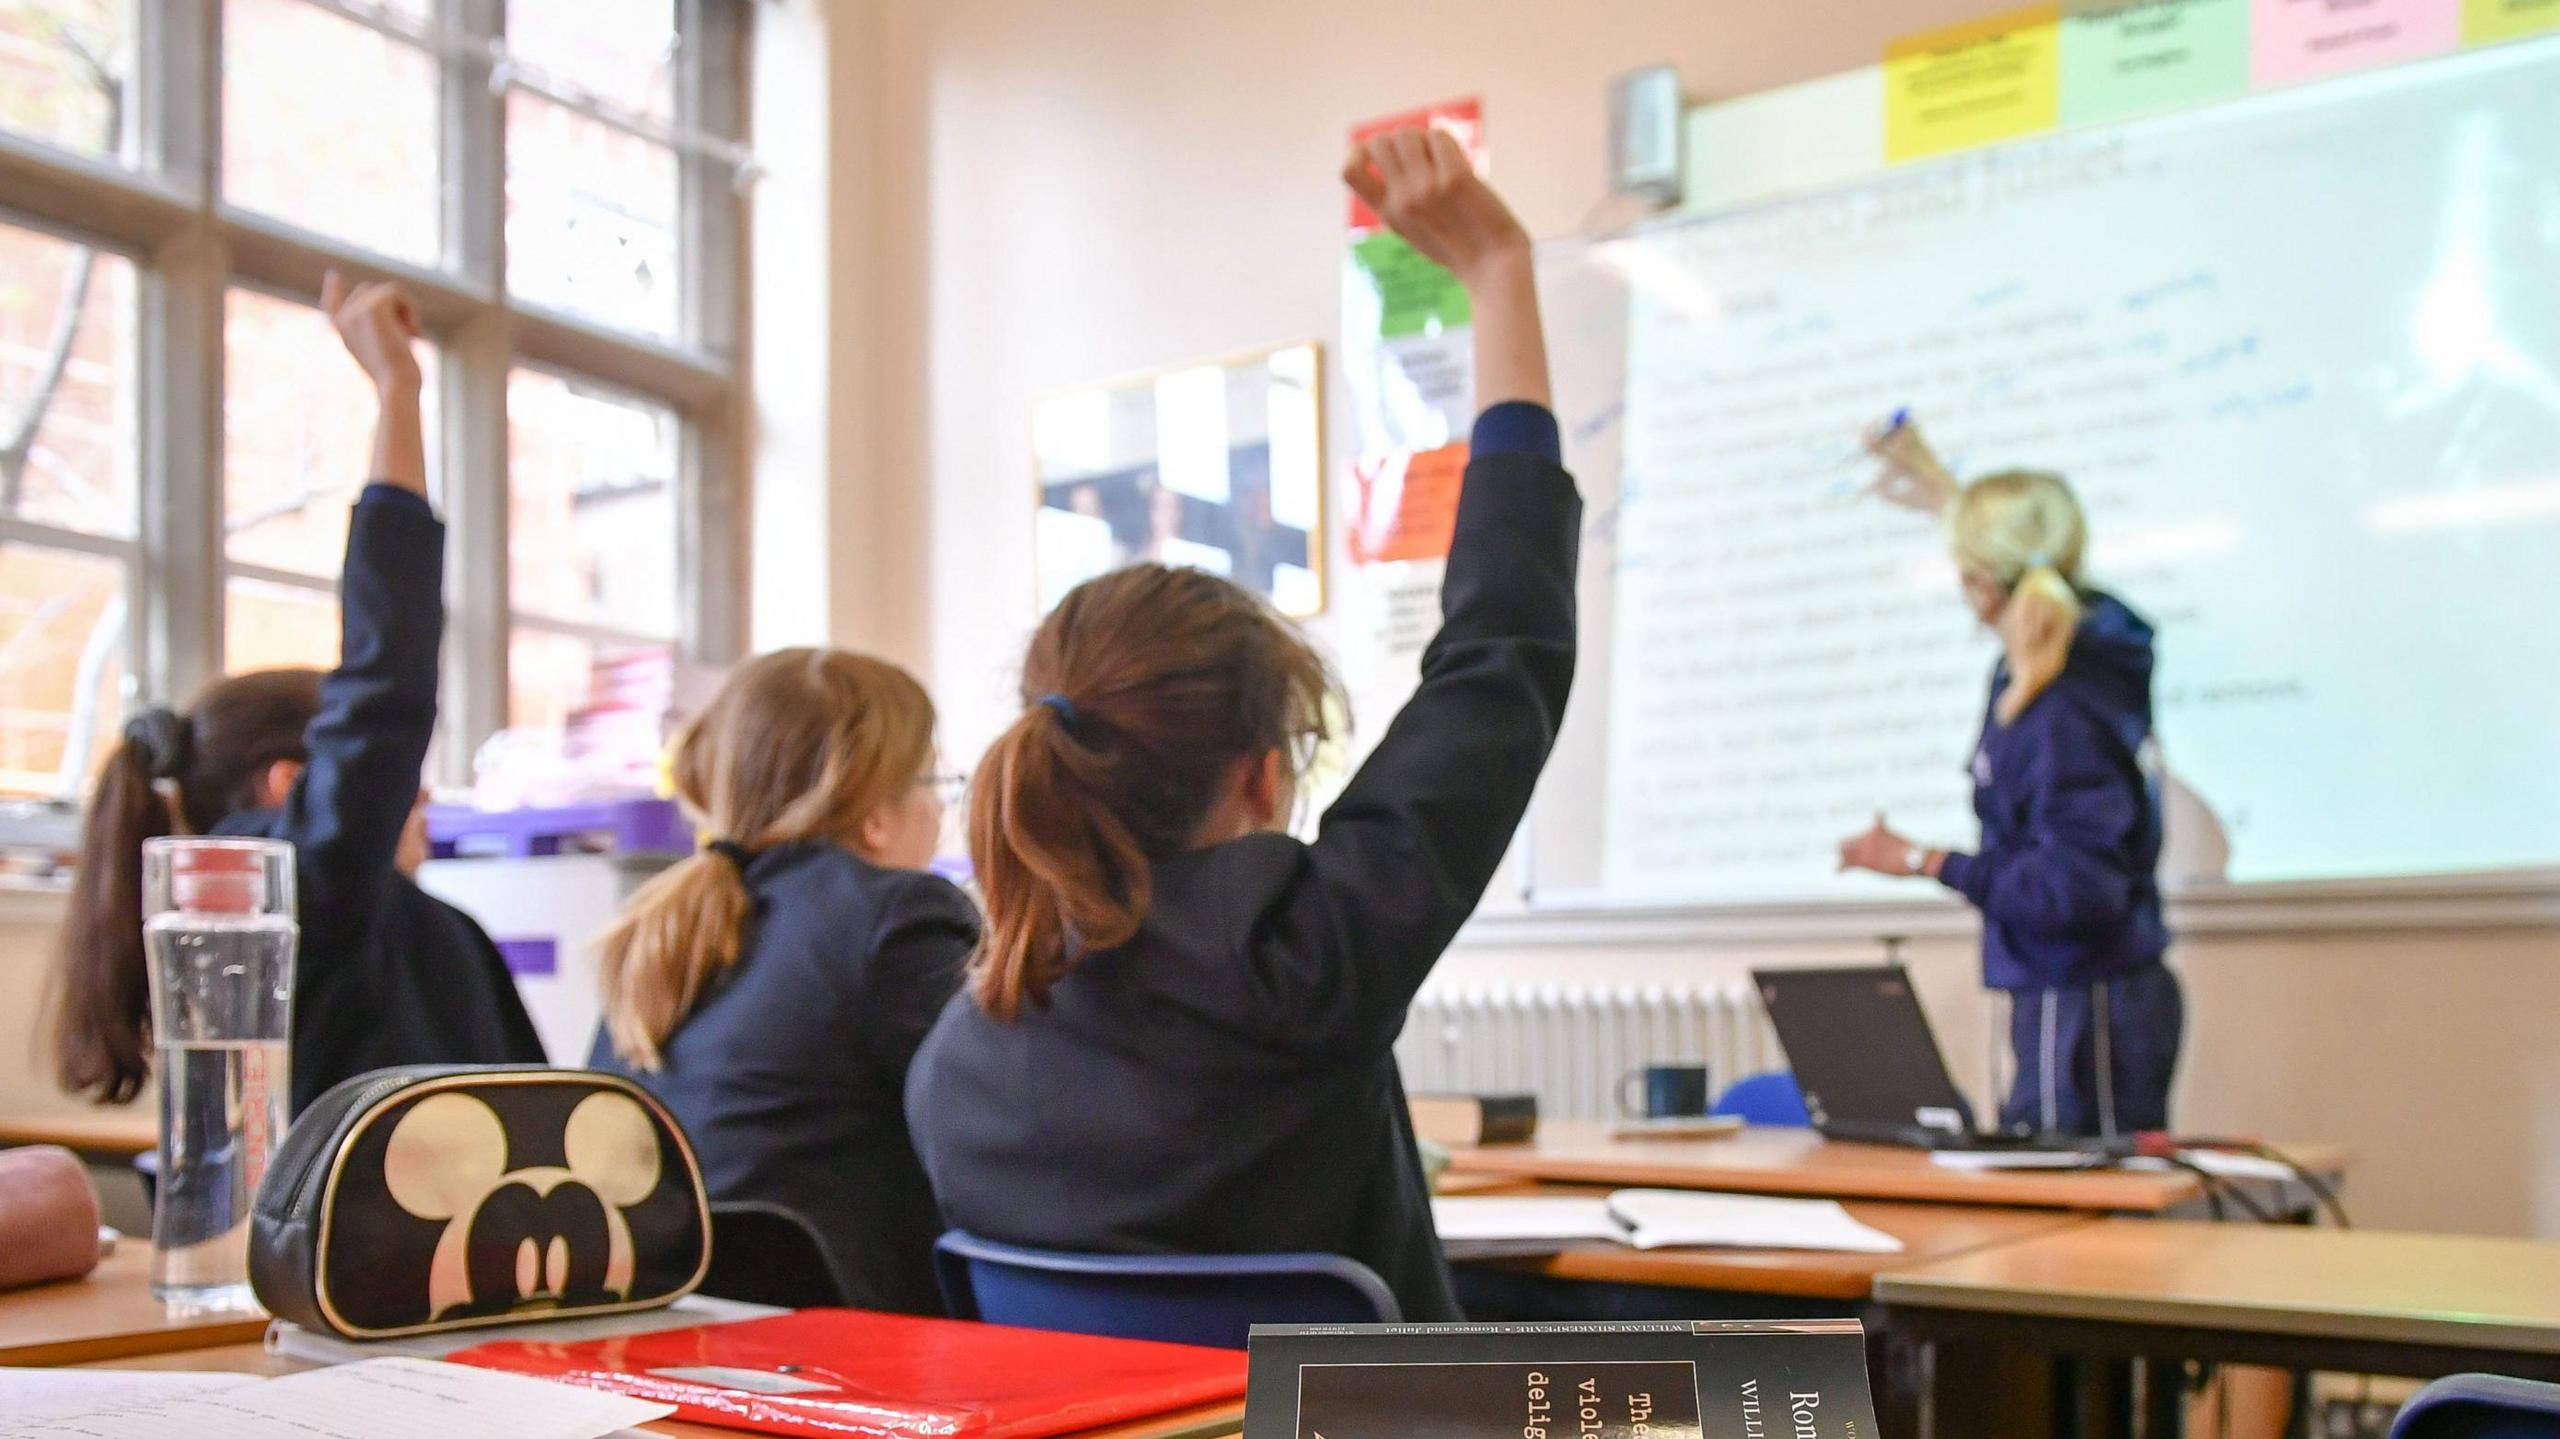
(292, 1341)
(1677, 1218)
(2297, 40)
(1778, 142)
(2486, 22)
(2128, 57)
(1979, 83)
(1491, 1219)
(378, 1399)
(27, 1393)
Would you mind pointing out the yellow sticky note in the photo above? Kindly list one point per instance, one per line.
(2486, 22)
(1993, 79)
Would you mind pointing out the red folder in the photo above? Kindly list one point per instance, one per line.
(845, 1372)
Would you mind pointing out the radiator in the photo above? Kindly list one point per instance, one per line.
(1570, 1045)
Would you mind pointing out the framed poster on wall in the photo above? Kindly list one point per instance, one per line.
(1218, 465)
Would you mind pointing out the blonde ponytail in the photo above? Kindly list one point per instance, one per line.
(2024, 531)
(681, 930)
(2036, 629)
(798, 746)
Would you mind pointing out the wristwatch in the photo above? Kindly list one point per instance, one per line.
(1916, 860)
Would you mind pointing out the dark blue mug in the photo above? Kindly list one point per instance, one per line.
(1667, 1091)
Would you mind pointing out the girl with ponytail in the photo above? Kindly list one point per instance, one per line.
(2065, 784)
(1178, 1033)
(385, 974)
(772, 988)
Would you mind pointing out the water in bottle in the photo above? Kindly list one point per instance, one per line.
(220, 938)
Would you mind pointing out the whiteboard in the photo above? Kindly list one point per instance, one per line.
(2299, 353)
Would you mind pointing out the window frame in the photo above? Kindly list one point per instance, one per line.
(162, 207)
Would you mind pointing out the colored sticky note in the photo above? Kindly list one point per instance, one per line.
(1415, 296)
(2297, 40)
(1406, 505)
(1783, 141)
(1976, 84)
(2142, 55)
(2486, 22)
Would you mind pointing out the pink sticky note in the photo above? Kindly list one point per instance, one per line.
(2296, 40)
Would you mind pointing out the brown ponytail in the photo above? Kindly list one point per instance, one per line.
(798, 745)
(1141, 693)
(215, 756)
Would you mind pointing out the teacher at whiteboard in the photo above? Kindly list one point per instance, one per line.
(2064, 784)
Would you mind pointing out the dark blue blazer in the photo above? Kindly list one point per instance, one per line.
(1225, 1083)
(790, 1074)
(385, 974)
(2069, 800)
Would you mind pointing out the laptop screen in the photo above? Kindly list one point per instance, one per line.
(1861, 1050)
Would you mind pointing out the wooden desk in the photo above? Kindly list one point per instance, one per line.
(1929, 1233)
(2347, 1300)
(1801, 1162)
(113, 1132)
(108, 1315)
(1216, 1421)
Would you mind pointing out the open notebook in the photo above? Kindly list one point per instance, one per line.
(1496, 1226)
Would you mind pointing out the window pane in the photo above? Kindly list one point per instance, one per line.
(271, 626)
(591, 218)
(591, 511)
(66, 384)
(297, 434)
(610, 705)
(620, 51)
(64, 68)
(330, 126)
(61, 668)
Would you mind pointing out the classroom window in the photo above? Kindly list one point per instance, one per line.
(65, 72)
(593, 536)
(591, 218)
(331, 125)
(561, 189)
(67, 507)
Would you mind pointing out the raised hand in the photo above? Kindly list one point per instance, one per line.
(1419, 181)
(1911, 475)
(378, 323)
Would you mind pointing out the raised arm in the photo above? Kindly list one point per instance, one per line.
(368, 743)
(1403, 857)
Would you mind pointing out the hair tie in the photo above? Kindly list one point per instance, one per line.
(1064, 708)
(164, 738)
(737, 854)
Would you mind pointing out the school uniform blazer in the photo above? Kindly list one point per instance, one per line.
(1224, 1082)
(385, 973)
(790, 1074)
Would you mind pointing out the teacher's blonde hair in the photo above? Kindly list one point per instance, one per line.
(2023, 531)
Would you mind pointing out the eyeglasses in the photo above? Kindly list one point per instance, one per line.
(948, 788)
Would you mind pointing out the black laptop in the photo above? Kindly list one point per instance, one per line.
(1869, 1066)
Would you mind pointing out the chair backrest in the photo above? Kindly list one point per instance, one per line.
(1180, 1299)
(2480, 1406)
(768, 1254)
(1772, 1099)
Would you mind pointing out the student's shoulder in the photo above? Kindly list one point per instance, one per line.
(1226, 893)
(832, 893)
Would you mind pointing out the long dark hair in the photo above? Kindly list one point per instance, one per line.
(213, 756)
(1140, 693)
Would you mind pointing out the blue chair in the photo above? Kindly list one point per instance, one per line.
(1768, 1099)
(1211, 1299)
(2480, 1406)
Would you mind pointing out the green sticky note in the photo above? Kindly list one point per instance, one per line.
(2137, 56)
(2485, 22)
(1415, 296)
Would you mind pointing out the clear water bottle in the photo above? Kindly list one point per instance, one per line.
(218, 927)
